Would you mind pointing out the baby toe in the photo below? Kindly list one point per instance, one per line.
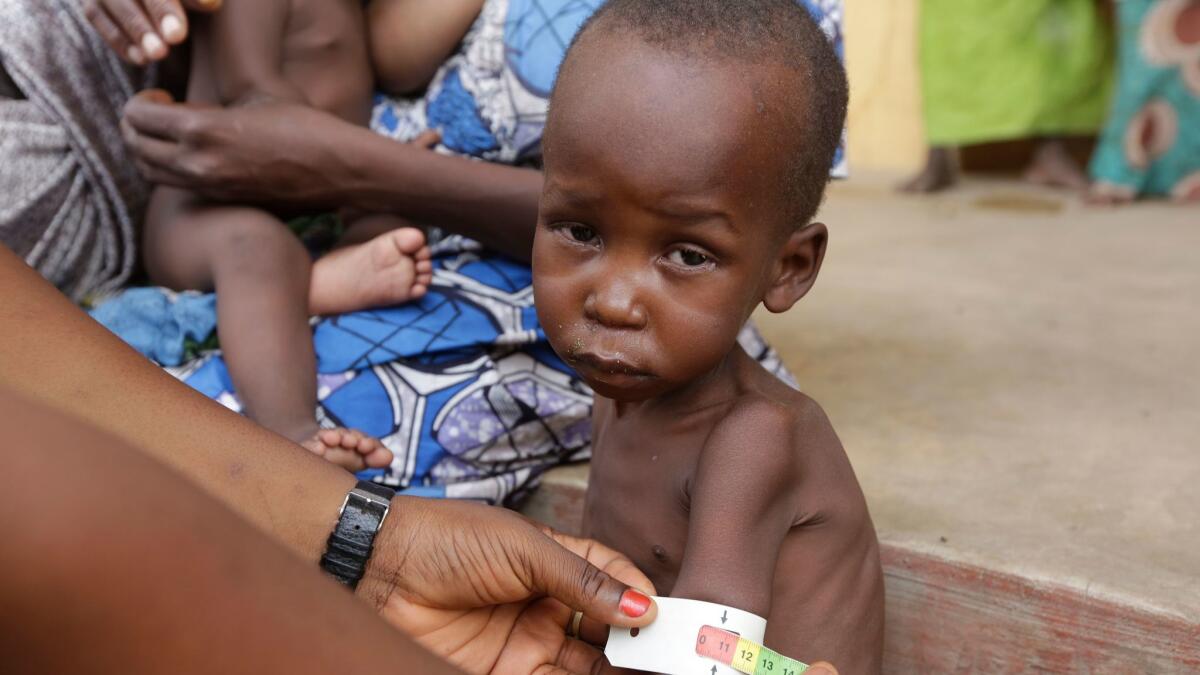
(378, 458)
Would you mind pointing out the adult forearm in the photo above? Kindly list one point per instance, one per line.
(491, 203)
(288, 154)
(52, 351)
(180, 584)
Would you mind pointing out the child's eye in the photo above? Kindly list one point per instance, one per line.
(688, 257)
(582, 234)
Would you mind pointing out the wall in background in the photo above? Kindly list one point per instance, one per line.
(886, 131)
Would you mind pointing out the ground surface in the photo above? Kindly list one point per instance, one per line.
(1017, 381)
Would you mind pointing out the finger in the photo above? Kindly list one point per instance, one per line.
(579, 657)
(170, 20)
(149, 113)
(428, 139)
(113, 36)
(580, 585)
(821, 668)
(149, 149)
(129, 16)
(607, 559)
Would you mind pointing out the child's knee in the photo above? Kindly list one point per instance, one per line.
(255, 243)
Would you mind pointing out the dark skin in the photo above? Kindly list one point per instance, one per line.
(278, 151)
(310, 53)
(646, 264)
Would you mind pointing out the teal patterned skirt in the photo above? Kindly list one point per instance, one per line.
(1151, 144)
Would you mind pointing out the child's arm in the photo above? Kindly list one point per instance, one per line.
(411, 38)
(245, 51)
(774, 491)
(741, 509)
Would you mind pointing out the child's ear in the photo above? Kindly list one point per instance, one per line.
(796, 267)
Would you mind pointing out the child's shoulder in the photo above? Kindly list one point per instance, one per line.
(773, 429)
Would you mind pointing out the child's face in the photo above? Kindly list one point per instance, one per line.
(659, 230)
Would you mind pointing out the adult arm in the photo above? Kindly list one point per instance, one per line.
(441, 570)
(276, 152)
(113, 564)
(410, 39)
(143, 30)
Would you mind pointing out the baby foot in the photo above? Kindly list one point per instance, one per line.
(392, 268)
(352, 450)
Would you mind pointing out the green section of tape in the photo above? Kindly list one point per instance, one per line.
(774, 663)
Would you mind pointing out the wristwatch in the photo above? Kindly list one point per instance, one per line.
(350, 543)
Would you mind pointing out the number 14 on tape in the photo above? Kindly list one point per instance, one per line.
(743, 655)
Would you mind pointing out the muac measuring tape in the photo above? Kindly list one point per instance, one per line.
(743, 655)
(684, 640)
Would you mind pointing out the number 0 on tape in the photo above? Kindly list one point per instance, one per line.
(743, 655)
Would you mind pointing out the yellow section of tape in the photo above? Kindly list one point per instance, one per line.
(745, 656)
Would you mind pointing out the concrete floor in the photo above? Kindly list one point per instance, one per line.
(1015, 377)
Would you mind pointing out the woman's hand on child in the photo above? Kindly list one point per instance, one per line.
(141, 31)
(494, 593)
(267, 152)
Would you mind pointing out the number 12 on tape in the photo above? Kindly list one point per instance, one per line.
(743, 655)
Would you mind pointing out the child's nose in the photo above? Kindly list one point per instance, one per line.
(613, 303)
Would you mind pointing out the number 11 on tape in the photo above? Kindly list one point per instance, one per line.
(743, 655)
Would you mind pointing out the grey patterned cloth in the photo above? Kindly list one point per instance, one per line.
(70, 197)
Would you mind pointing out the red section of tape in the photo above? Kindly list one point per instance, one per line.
(716, 644)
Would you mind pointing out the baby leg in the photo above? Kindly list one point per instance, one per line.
(260, 272)
(391, 267)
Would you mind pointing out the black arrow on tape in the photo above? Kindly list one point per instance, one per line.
(724, 616)
(714, 670)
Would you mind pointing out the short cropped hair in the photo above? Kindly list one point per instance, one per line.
(754, 32)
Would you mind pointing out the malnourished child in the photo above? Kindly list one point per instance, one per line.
(687, 150)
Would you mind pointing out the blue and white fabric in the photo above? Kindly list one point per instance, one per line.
(490, 99)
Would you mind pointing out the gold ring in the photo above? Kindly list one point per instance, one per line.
(573, 627)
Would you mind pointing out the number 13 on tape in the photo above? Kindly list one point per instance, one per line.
(743, 655)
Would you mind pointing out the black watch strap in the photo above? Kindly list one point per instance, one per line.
(350, 543)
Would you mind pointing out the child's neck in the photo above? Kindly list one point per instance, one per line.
(713, 388)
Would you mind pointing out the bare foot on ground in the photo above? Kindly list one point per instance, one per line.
(938, 174)
(392, 268)
(352, 450)
(1053, 166)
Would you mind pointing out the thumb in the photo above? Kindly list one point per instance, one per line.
(821, 668)
(575, 582)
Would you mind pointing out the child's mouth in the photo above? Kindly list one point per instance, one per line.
(613, 370)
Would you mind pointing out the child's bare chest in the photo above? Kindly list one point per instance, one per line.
(637, 500)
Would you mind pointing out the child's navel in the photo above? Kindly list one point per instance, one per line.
(660, 553)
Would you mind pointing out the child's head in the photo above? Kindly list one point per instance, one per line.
(688, 146)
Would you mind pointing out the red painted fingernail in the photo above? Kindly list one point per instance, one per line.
(634, 604)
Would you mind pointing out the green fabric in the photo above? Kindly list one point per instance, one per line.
(1153, 86)
(995, 70)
